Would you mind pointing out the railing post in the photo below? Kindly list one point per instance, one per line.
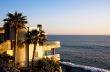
(53, 51)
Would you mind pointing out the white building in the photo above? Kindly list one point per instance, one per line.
(47, 50)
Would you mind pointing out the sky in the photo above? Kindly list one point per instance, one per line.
(64, 17)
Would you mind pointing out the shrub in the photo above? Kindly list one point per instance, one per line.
(46, 65)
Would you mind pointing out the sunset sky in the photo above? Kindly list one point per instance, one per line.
(72, 17)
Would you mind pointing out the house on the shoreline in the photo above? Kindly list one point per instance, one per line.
(7, 46)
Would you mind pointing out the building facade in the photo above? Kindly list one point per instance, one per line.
(7, 42)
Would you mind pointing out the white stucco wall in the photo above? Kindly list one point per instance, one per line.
(38, 53)
(21, 55)
(21, 52)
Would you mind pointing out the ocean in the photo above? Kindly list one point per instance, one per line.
(87, 50)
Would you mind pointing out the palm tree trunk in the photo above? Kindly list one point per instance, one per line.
(35, 44)
(15, 46)
(28, 55)
(27, 51)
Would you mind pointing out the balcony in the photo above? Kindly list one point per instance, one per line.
(56, 57)
(51, 44)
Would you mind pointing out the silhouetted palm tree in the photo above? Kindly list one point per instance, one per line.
(34, 34)
(27, 41)
(17, 21)
(42, 35)
(42, 38)
(35, 37)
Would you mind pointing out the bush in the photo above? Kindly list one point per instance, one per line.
(6, 58)
(46, 65)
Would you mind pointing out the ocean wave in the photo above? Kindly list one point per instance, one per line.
(86, 68)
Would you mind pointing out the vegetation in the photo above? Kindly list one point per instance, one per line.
(42, 36)
(35, 37)
(16, 21)
(46, 65)
(6, 58)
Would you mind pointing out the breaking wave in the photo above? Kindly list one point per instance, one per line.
(83, 67)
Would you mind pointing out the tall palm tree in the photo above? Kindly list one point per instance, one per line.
(35, 37)
(34, 34)
(27, 41)
(16, 21)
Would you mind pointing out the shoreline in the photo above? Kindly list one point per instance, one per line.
(71, 67)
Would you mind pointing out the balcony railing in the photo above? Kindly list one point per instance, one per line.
(56, 56)
(51, 44)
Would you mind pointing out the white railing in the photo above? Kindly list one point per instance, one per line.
(51, 44)
(56, 56)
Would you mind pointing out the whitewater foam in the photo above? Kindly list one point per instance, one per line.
(92, 69)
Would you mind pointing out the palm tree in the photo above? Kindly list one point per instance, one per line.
(42, 35)
(28, 41)
(34, 34)
(35, 37)
(16, 21)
